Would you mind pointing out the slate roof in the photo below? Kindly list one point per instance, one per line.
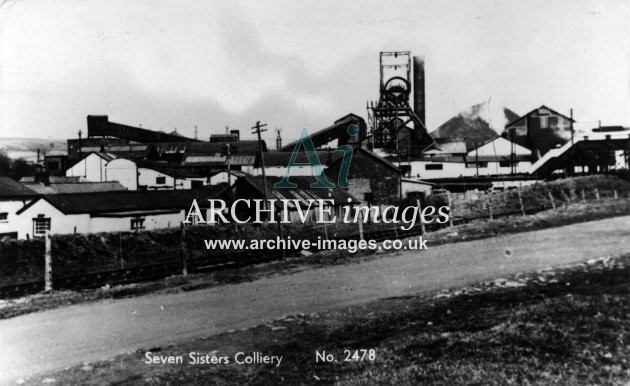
(128, 201)
(75, 187)
(9, 188)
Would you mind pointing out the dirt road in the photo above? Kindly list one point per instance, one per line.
(56, 339)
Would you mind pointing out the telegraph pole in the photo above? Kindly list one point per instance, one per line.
(260, 129)
(227, 160)
(572, 144)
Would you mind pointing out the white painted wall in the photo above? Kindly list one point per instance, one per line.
(123, 171)
(129, 175)
(155, 221)
(59, 224)
(459, 169)
(408, 187)
(499, 147)
(92, 168)
(84, 223)
(10, 207)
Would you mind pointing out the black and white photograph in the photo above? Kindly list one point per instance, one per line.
(310, 192)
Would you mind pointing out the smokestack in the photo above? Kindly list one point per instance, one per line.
(418, 88)
(278, 140)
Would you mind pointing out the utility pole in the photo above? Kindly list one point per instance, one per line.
(227, 160)
(80, 151)
(477, 158)
(260, 129)
(512, 150)
(572, 143)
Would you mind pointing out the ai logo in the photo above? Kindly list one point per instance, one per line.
(322, 181)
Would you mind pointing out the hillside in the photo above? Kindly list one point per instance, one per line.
(26, 148)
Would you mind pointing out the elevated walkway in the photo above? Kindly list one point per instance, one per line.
(559, 158)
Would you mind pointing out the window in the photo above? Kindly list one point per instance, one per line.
(4, 217)
(433, 167)
(160, 180)
(137, 223)
(41, 224)
(194, 184)
(473, 165)
(544, 122)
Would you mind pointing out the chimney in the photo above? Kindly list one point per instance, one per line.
(418, 88)
(278, 140)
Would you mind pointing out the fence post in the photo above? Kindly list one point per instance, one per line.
(120, 251)
(553, 203)
(583, 196)
(597, 193)
(489, 203)
(520, 200)
(48, 262)
(422, 227)
(360, 221)
(450, 208)
(184, 250)
(616, 196)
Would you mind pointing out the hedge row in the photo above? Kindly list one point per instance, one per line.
(23, 260)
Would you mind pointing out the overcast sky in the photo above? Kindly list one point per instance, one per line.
(290, 64)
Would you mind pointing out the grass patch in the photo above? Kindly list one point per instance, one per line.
(564, 326)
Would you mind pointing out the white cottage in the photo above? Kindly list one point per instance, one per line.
(107, 211)
(13, 196)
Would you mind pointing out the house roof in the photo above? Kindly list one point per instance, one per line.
(128, 201)
(536, 110)
(75, 187)
(302, 192)
(9, 188)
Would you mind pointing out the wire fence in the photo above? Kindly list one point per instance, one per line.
(179, 254)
